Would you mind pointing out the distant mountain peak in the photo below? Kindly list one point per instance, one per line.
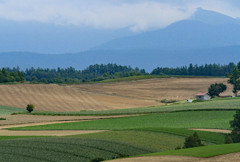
(212, 17)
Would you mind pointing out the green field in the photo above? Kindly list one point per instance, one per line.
(154, 141)
(211, 137)
(64, 149)
(204, 151)
(159, 139)
(189, 119)
(5, 110)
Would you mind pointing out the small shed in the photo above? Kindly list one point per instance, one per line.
(189, 100)
(202, 96)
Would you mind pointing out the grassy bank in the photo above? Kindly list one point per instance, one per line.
(205, 151)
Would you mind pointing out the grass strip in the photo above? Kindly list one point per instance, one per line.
(204, 151)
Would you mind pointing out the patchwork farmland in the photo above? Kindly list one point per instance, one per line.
(121, 120)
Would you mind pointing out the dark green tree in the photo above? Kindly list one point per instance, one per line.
(234, 80)
(235, 124)
(30, 108)
(228, 139)
(216, 89)
(192, 141)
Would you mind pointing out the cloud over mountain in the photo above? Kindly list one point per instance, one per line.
(138, 15)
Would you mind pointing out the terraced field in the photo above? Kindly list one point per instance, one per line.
(104, 96)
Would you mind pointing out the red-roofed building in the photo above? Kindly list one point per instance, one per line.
(202, 96)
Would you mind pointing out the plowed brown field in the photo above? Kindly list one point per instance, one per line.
(104, 96)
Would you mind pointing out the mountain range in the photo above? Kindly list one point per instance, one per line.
(206, 37)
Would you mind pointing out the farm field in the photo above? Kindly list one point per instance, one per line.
(232, 157)
(43, 119)
(104, 96)
(156, 130)
(205, 151)
(64, 149)
(159, 139)
(190, 119)
(217, 104)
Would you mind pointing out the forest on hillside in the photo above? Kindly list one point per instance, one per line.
(99, 72)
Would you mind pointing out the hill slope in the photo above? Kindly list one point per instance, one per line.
(107, 96)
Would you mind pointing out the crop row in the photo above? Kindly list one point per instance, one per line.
(192, 119)
(65, 149)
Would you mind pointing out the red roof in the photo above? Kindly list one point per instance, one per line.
(201, 94)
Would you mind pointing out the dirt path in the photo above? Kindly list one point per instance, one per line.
(233, 157)
(215, 130)
(33, 120)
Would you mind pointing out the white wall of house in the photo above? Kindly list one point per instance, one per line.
(205, 97)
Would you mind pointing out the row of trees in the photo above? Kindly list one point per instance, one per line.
(11, 76)
(197, 70)
(100, 72)
(71, 75)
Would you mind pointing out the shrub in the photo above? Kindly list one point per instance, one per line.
(168, 101)
(30, 107)
(228, 139)
(97, 160)
(192, 141)
(178, 148)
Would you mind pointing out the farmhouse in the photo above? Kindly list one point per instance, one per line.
(202, 96)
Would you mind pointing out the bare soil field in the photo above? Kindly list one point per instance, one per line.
(234, 157)
(104, 96)
(157, 89)
(215, 130)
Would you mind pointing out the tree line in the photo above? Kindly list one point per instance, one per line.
(100, 72)
(196, 70)
(93, 73)
(14, 75)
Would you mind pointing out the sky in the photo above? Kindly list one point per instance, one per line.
(137, 15)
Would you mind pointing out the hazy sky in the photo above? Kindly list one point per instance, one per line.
(138, 15)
